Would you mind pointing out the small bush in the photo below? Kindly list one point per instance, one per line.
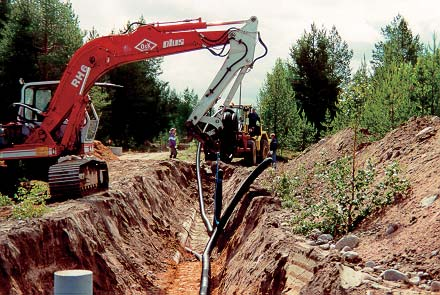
(31, 197)
(5, 201)
(334, 199)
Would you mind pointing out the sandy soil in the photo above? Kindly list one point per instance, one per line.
(134, 236)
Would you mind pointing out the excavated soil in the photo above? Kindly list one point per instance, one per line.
(412, 247)
(133, 237)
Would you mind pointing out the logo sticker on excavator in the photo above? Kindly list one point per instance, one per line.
(145, 45)
(173, 43)
(80, 75)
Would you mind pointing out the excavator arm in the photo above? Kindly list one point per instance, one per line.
(67, 123)
(238, 62)
(97, 57)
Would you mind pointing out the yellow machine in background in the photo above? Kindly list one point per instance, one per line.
(238, 140)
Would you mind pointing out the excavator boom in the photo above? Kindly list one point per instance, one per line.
(60, 131)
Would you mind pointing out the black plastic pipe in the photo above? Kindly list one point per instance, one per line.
(206, 265)
(218, 196)
(200, 190)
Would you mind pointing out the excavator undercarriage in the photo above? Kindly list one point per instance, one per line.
(77, 177)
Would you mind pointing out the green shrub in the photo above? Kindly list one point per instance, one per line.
(5, 201)
(31, 197)
(333, 198)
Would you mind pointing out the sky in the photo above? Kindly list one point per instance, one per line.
(281, 24)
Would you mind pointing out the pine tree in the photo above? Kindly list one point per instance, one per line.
(4, 12)
(185, 106)
(36, 43)
(427, 86)
(391, 100)
(399, 46)
(277, 102)
(352, 100)
(279, 111)
(136, 109)
(320, 70)
(303, 134)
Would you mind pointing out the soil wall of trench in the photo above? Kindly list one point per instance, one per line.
(134, 232)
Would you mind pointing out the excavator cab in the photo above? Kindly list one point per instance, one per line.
(35, 98)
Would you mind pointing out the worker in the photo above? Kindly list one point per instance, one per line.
(253, 119)
(172, 142)
(273, 149)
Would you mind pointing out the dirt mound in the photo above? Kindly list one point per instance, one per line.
(326, 150)
(103, 152)
(416, 147)
(412, 245)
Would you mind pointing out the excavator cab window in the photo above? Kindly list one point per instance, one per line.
(28, 99)
(36, 97)
(42, 99)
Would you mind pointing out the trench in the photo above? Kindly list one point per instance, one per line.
(135, 238)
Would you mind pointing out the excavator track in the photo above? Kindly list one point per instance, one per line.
(76, 178)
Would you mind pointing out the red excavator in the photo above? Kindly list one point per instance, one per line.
(56, 121)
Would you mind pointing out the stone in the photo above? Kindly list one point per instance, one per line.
(351, 256)
(392, 227)
(370, 264)
(314, 234)
(311, 243)
(424, 287)
(325, 237)
(346, 249)
(369, 277)
(351, 240)
(428, 201)
(414, 280)
(321, 242)
(435, 119)
(379, 268)
(425, 133)
(434, 253)
(368, 270)
(325, 246)
(394, 275)
(435, 286)
(349, 277)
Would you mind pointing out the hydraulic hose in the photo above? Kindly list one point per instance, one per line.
(200, 190)
(206, 267)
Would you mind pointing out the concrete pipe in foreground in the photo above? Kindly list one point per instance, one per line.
(73, 282)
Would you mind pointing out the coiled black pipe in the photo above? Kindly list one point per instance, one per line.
(206, 265)
(199, 186)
